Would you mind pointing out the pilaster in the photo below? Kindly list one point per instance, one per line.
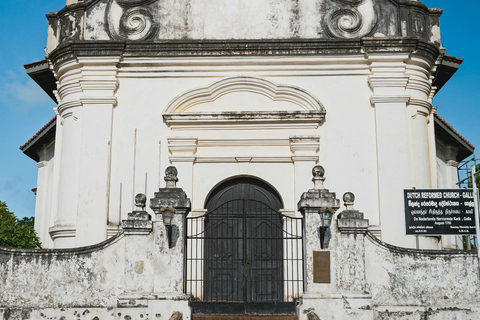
(304, 156)
(394, 170)
(42, 214)
(86, 90)
(182, 155)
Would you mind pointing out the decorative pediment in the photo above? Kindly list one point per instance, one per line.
(200, 20)
(244, 99)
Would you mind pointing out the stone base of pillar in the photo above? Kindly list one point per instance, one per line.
(155, 306)
(336, 307)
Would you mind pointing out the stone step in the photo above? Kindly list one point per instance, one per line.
(197, 316)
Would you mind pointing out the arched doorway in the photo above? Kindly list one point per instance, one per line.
(243, 243)
(246, 251)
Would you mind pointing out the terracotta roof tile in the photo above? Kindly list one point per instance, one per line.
(452, 58)
(34, 64)
(453, 130)
(38, 133)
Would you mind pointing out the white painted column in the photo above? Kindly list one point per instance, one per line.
(419, 109)
(452, 242)
(64, 230)
(86, 91)
(99, 84)
(41, 216)
(420, 147)
(394, 170)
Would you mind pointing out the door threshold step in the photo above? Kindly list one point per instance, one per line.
(197, 316)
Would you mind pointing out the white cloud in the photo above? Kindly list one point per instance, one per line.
(22, 96)
(20, 93)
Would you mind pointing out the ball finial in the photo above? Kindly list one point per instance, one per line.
(349, 199)
(140, 200)
(318, 171)
(171, 178)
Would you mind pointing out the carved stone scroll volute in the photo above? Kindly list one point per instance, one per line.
(349, 19)
(132, 19)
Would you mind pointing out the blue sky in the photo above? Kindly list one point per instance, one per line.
(24, 108)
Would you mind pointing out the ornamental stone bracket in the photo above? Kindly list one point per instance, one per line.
(305, 147)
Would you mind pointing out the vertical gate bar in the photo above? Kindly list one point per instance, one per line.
(287, 275)
(192, 259)
(197, 256)
(245, 262)
(185, 258)
(230, 264)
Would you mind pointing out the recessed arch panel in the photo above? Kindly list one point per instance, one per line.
(300, 99)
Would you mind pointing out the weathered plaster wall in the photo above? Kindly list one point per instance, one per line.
(431, 281)
(131, 276)
(62, 278)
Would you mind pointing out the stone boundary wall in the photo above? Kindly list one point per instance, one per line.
(371, 280)
(438, 284)
(63, 278)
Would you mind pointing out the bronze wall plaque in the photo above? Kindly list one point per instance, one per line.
(321, 266)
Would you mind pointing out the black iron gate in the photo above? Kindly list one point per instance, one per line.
(243, 254)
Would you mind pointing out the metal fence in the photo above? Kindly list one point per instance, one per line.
(244, 251)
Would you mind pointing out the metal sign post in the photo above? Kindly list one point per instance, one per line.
(477, 218)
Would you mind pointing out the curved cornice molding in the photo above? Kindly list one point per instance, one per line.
(189, 48)
(276, 92)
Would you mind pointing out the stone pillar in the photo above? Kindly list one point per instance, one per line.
(315, 204)
(327, 294)
(350, 248)
(139, 268)
(170, 257)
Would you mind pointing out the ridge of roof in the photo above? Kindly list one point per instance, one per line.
(38, 133)
(449, 126)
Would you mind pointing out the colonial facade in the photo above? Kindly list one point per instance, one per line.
(233, 103)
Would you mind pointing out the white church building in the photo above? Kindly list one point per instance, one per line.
(232, 103)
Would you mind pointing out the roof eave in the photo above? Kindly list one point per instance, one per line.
(43, 76)
(30, 148)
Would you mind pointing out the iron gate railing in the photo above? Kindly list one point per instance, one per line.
(244, 251)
